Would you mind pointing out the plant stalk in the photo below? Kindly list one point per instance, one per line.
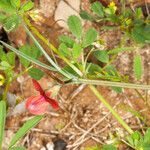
(110, 83)
(108, 106)
(51, 46)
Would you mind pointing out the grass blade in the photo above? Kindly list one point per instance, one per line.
(2, 120)
(24, 129)
(35, 61)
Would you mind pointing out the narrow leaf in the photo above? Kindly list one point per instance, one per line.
(33, 60)
(24, 129)
(17, 148)
(137, 67)
(2, 120)
(90, 37)
(75, 25)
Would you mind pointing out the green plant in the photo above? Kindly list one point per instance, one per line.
(75, 53)
(20, 133)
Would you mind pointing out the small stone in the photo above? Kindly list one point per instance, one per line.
(75, 4)
(47, 7)
(62, 14)
(60, 144)
(50, 146)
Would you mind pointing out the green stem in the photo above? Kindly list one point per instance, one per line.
(108, 106)
(51, 46)
(110, 83)
(4, 96)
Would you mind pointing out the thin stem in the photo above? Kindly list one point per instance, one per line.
(108, 106)
(21, 73)
(51, 46)
(110, 83)
(45, 54)
(4, 96)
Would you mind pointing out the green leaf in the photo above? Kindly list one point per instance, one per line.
(117, 89)
(63, 49)
(11, 58)
(11, 23)
(138, 67)
(120, 49)
(4, 65)
(36, 73)
(8, 8)
(97, 8)
(76, 51)
(147, 136)
(2, 120)
(75, 25)
(135, 139)
(15, 3)
(27, 6)
(93, 69)
(140, 33)
(109, 147)
(31, 51)
(33, 60)
(67, 40)
(17, 148)
(24, 129)
(90, 37)
(102, 56)
(85, 15)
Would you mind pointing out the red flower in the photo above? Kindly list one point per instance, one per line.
(39, 104)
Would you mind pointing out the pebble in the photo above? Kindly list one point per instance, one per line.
(62, 13)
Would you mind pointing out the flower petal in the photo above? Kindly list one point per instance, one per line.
(53, 102)
(38, 87)
(37, 105)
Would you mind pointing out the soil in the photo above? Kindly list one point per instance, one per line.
(82, 121)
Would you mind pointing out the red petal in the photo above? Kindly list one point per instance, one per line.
(37, 105)
(38, 87)
(53, 103)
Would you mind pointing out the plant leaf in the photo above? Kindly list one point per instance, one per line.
(85, 15)
(109, 147)
(17, 148)
(8, 8)
(11, 23)
(102, 56)
(137, 67)
(97, 8)
(67, 40)
(63, 49)
(75, 25)
(33, 60)
(2, 120)
(15, 3)
(36, 73)
(24, 129)
(120, 49)
(76, 51)
(90, 37)
(27, 6)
